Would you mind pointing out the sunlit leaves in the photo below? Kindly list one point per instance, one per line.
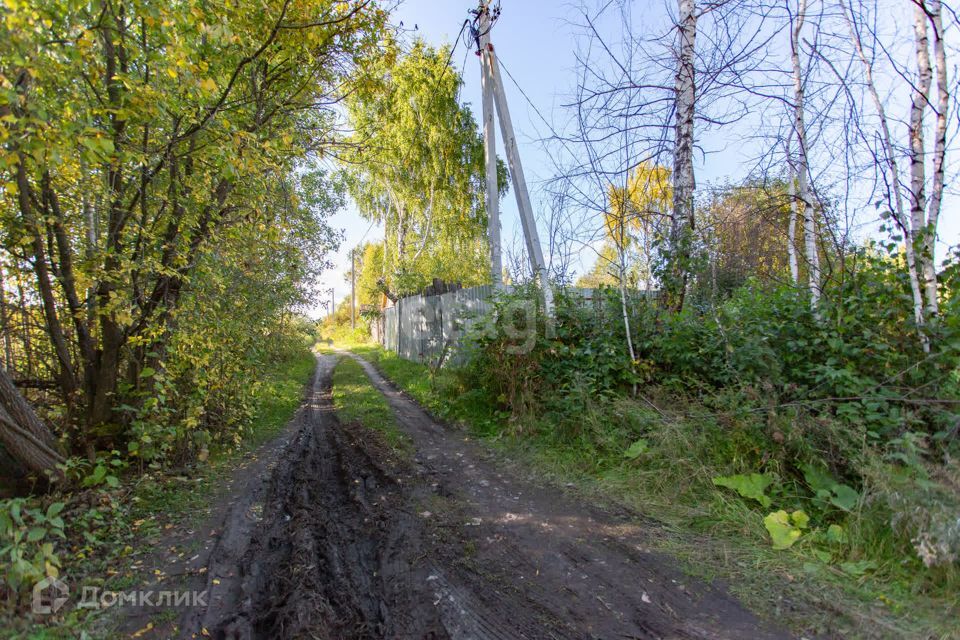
(418, 167)
(167, 154)
(785, 529)
(751, 486)
(636, 207)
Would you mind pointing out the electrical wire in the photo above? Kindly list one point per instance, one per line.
(372, 222)
(452, 50)
(494, 14)
(526, 97)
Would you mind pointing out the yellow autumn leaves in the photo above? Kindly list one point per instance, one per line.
(636, 206)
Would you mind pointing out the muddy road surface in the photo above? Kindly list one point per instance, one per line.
(348, 539)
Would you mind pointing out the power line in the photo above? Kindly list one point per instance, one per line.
(553, 132)
(525, 96)
(456, 41)
(372, 222)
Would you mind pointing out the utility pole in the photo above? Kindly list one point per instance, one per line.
(353, 288)
(490, 72)
(490, 149)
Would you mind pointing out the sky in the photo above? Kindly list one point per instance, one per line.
(535, 44)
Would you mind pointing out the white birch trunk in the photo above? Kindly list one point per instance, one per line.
(918, 175)
(792, 228)
(802, 163)
(792, 225)
(622, 269)
(684, 179)
(939, 157)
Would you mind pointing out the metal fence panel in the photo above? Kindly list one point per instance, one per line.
(421, 328)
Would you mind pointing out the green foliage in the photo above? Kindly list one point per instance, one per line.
(836, 534)
(692, 440)
(581, 359)
(90, 533)
(785, 529)
(419, 169)
(750, 486)
(745, 230)
(636, 449)
(161, 197)
(838, 417)
(826, 488)
(27, 543)
(206, 395)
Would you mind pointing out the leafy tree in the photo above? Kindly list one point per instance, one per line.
(637, 214)
(147, 153)
(745, 231)
(605, 272)
(417, 167)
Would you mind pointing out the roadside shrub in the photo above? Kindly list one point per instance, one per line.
(28, 539)
(841, 411)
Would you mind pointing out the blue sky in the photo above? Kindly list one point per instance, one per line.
(535, 43)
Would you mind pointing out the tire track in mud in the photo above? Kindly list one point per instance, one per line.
(545, 564)
(356, 543)
(336, 554)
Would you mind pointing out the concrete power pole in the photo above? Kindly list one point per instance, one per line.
(490, 150)
(490, 72)
(353, 288)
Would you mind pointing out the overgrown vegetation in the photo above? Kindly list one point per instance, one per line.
(100, 535)
(792, 388)
(418, 170)
(164, 220)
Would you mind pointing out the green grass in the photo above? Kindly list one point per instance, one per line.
(433, 390)
(279, 399)
(355, 399)
(712, 532)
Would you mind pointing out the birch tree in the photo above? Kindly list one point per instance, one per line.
(799, 165)
(417, 166)
(913, 197)
(925, 210)
(684, 180)
(792, 225)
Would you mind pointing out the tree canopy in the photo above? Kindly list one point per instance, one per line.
(417, 166)
(158, 173)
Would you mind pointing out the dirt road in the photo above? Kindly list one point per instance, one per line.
(348, 540)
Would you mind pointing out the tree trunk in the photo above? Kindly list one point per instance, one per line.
(65, 376)
(22, 433)
(5, 323)
(803, 164)
(894, 197)
(792, 228)
(684, 180)
(918, 175)
(939, 154)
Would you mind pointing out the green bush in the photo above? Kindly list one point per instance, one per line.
(841, 413)
(28, 536)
